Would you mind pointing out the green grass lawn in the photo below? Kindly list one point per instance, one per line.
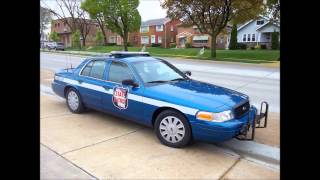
(249, 56)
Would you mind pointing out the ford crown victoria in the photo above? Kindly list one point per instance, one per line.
(153, 92)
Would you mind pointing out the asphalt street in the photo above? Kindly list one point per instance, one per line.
(260, 83)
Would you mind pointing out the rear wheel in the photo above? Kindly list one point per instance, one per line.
(74, 101)
(172, 129)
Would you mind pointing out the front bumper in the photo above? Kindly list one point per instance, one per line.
(240, 128)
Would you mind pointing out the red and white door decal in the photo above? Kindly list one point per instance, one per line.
(120, 97)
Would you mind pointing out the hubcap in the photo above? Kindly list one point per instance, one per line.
(172, 129)
(73, 100)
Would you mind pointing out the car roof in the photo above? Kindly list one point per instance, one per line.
(124, 59)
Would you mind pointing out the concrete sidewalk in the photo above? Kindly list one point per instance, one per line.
(97, 145)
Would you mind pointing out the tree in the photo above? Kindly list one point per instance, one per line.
(45, 19)
(76, 39)
(121, 17)
(99, 37)
(273, 10)
(95, 12)
(54, 36)
(275, 40)
(212, 16)
(233, 39)
(73, 16)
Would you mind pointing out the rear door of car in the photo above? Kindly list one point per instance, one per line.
(91, 81)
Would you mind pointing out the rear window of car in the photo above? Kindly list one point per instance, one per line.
(94, 69)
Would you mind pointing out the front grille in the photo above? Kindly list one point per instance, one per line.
(241, 109)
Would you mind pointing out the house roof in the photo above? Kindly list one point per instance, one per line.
(248, 22)
(266, 24)
(153, 22)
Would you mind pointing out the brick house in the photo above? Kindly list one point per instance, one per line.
(191, 34)
(65, 34)
(156, 31)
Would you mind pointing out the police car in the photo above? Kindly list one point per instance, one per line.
(153, 92)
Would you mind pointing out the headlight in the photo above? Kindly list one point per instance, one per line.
(215, 117)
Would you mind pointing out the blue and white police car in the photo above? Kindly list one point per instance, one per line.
(153, 92)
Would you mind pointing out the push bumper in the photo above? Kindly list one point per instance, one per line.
(238, 128)
(256, 123)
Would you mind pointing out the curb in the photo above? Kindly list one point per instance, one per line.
(85, 53)
(253, 149)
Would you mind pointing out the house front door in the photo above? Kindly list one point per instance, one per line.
(182, 42)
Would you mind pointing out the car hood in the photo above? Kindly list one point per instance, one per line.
(196, 94)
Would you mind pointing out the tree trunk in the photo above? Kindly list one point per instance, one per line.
(125, 41)
(213, 46)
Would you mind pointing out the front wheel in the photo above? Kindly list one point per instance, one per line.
(172, 129)
(74, 101)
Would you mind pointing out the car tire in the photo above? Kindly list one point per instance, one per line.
(172, 129)
(74, 101)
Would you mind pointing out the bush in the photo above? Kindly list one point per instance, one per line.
(111, 44)
(233, 40)
(76, 39)
(188, 45)
(155, 45)
(173, 45)
(252, 47)
(257, 46)
(129, 44)
(99, 37)
(263, 46)
(275, 40)
(241, 46)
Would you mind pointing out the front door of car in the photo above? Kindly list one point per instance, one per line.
(91, 81)
(125, 101)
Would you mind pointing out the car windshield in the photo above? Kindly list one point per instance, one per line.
(60, 43)
(157, 72)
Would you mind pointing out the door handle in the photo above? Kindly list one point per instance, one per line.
(106, 87)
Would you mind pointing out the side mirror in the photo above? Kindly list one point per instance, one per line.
(187, 73)
(129, 82)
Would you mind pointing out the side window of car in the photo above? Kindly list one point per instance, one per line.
(118, 72)
(94, 69)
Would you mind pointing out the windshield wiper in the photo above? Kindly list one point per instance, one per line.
(178, 79)
(158, 81)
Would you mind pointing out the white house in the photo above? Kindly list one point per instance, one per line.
(257, 32)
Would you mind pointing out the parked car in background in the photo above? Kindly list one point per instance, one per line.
(56, 46)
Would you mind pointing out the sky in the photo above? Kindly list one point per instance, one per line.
(148, 9)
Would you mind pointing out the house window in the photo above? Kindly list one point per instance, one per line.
(248, 37)
(253, 37)
(144, 29)
(112, 39)
(159, 39)
(171, 40)
(244, 38)
(159, 28)
(171, 27)
(221, 39)
(260, 22)
(144, 39)
(58, 24)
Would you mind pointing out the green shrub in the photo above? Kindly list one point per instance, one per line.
(76, 39)
(252, 47)
(263, 46)
(275, 41)
(241, 46)
(111, 44)
(99, 37)
(173, 45)
(188, 45)
(233, 40)
(155, 45)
